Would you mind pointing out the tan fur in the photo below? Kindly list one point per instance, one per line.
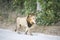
(23, 22)
(30, 18)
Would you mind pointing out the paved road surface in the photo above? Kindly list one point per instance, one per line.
(10, 35)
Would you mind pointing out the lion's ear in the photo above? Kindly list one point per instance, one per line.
(29, 15)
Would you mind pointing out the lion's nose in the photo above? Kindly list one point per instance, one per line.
(33, 22)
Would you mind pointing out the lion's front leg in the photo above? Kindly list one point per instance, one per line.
(28, 31)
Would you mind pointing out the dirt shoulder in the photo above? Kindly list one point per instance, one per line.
(51, 30)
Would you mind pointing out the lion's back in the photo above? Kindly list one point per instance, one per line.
(22, 21)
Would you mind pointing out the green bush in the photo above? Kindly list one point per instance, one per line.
(50, 12)
(45, 19)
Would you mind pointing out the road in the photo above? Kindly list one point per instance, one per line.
(11, 35)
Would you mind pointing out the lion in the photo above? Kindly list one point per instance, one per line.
(27, 21)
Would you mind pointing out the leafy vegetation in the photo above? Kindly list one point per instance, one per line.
(49, 14)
